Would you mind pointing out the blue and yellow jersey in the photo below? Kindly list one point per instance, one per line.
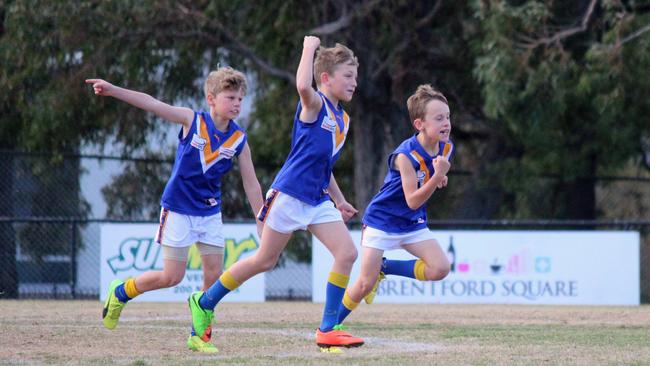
(388, 210)
(202, 158)
(315, 147)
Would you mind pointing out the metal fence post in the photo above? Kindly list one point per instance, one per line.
(73, 260)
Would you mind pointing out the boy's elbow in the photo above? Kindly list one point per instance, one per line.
(412, 205)
(303, 86)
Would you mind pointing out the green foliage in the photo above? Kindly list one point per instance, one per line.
(528, 99)
(566, 101)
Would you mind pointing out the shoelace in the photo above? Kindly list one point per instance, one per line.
(340, 327)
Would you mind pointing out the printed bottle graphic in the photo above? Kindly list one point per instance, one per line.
(496, 267)
(451, 255)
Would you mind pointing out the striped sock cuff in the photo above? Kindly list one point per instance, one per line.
(339, 280)
(130, 289)
(228, 281)
(349, 303)
(418, 270)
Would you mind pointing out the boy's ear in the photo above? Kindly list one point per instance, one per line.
(324, 78)
(417, 123)
(210, 98)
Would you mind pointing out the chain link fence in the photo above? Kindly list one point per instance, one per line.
(51, 213)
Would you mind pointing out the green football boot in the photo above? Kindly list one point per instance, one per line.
(195, 343)
(201, 318)
(113, 306)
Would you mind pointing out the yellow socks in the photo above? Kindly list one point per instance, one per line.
(418, 270)
(130, 289)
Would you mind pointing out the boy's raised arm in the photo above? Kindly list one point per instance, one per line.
(180, 115)
(309, 99)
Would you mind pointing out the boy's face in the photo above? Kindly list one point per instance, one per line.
(343, 82)
(436, 124)
(227, 103)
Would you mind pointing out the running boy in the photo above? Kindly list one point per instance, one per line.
(191, 202)
(396, 217)
(301, 195)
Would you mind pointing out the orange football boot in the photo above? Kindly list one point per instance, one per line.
(337, 338)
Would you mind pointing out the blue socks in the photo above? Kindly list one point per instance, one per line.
(216, 292)
(120, 293)
(343, 313)
(213, 295)
(336, 284)
(399, 268)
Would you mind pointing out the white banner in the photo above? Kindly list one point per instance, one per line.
(128, 250)
(513, 267)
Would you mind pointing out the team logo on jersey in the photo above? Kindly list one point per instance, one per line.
(198, 142)
(420, 220)
(328, 124)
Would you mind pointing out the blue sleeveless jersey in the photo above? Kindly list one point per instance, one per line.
(315, 147)
(202, 158)
(388, 210)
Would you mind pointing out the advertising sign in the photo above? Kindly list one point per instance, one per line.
(513, 267)
(128, 250)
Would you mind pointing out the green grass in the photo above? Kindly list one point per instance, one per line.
(618, 336)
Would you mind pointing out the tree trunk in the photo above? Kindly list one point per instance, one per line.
(581, 195)
(378, 128)
(581, 199)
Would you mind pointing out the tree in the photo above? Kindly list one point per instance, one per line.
(162, 47)
(494, 60)
(570, 97)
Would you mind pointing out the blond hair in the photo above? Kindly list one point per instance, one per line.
(417, 103)
(225, 78)
(327, 59)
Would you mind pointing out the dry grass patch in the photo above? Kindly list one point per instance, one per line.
(70, 332)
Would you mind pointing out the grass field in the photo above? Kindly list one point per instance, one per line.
(282, 333)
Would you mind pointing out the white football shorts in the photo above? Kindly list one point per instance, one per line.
(286, 214)
(179, 231)
(378, 239)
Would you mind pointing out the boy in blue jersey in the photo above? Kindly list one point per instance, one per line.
(396, 217)
(191, 202)
(302, 193)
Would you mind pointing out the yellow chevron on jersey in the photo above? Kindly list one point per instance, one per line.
(447, 150)
(338, 137)
(315, 148)
(388, 210)
(225, 150)
(204, 154)
(423, 167)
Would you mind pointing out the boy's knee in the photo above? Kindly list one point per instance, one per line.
(266, 264)
(366, 285)
(172, 279)
(439, 272)
(347, 256)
